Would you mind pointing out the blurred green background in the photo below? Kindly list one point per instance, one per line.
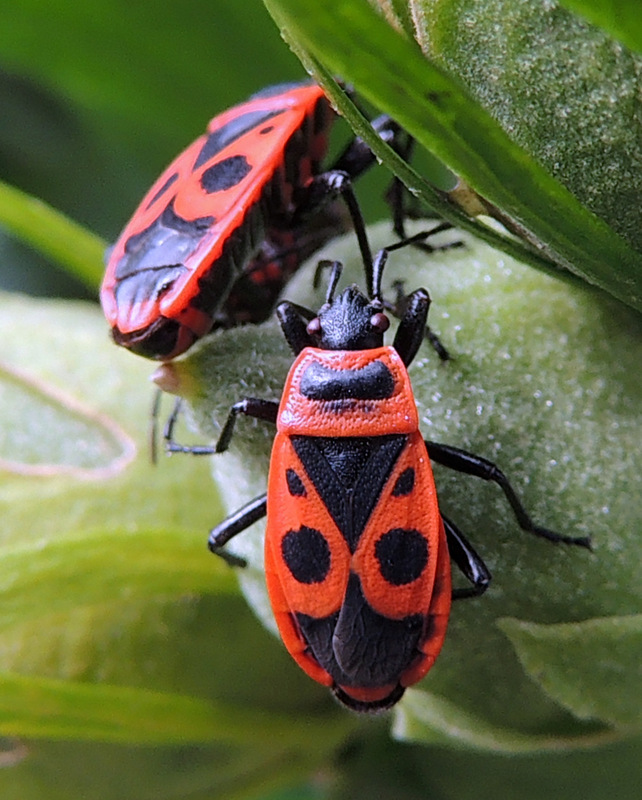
(95, 99)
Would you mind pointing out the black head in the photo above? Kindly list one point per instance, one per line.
(349, 321)
(354, 320)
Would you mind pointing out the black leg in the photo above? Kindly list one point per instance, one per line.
(250, 406)
(324, 188)
(468, 560)
(266, 410)
(294, 322)
(471, 464)
(234, 524)
(401, 307)
(412, 328)
(358, 157)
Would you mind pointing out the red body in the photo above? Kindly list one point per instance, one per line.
(356, 556)
(221, 213)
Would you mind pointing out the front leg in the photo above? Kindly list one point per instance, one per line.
(250, 406)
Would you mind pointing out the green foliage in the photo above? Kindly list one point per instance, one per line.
(349, 38)
(130, 666)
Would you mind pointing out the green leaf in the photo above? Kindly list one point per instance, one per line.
(593, 668)
(69, 710)
(620, 18)
(591, 774)
(349, 38)
(563, 90)
(53, 234)
(426, 718)
(96, 564)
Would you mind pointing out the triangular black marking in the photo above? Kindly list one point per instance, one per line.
(349, 473)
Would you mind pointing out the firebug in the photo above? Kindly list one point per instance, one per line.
(225, 225)
(357, 551)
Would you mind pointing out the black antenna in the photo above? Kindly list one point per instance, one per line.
(362, 236)
(382, 257)
(377, 274)
(337, 268)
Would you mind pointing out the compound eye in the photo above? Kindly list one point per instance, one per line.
(380, 322)
(314, 327)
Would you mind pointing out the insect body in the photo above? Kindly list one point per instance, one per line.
(223, 228)
(356, 556)
(357, 552)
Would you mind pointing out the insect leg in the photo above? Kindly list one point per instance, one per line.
(327, 186)
(249, 406)
(468, 560)
(236, 523)
(471, 464)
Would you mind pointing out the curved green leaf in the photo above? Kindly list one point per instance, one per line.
(621, 18)
(351, 39)
(94, 566)
(54, 709)
(593, 668)
(426, 718)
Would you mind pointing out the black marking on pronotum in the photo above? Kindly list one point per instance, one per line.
(402, 555)
(230, 132)
(225, 174)
(306, 554)
(372, 382)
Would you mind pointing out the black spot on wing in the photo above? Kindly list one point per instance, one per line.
(402, 555)
(372, 382)
(233, 130)
(404, 483)
(295, 484)
(225, 174)
(306, 554)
